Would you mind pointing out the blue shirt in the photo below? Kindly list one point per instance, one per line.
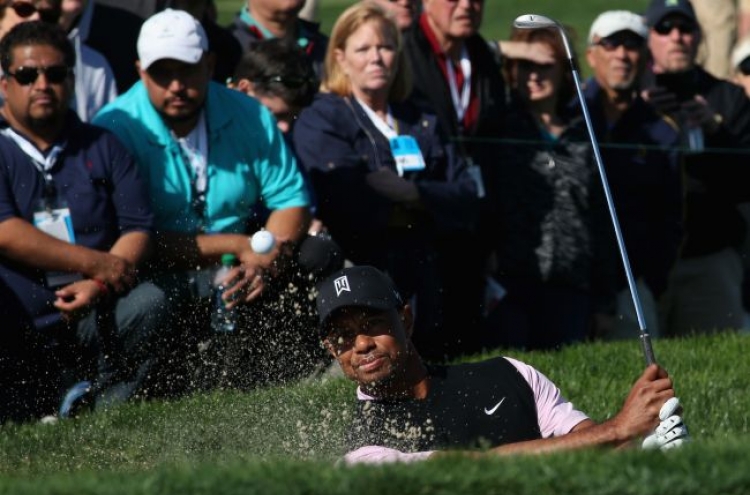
(248, 160)
(97, 178)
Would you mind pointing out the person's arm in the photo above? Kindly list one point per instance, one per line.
(638, 417)
(23, 243)
(539, 53)
(373, 454)
(177, 250)
(135, 247)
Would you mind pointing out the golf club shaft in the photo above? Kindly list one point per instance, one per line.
(648, 351)
(532, 21)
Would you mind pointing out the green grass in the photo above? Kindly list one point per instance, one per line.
(498, 15)
(286, 440)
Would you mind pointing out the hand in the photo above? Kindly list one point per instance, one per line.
(316, 227)
(699, 113)
(534, 51)
(74, 299)
(640, 413)
(671, 432)
(662, 99)
(389, 185)
(116, 272)
(247, 281)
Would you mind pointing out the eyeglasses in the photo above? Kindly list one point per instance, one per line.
(744, 67)
(611, 43)
(27, 9)
(290, 82)
(684, 26)
(55, 74)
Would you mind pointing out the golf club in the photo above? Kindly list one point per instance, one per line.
(533, 21)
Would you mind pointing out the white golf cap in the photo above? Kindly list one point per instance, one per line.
(614, 21)
(172, 34)
(740, 52)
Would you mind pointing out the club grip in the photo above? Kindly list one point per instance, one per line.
(648, 350)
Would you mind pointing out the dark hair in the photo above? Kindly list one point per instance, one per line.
(278, 67)
(36, 33)
(552, 38)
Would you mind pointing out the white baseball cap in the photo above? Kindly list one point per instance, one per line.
(740, 52)
(614, 21)
(172, 34)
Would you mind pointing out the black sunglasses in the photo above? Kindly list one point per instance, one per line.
(27, 9)
(684, 26)
(290, 82)
(612, 43)
(55, 74)
(744, 66)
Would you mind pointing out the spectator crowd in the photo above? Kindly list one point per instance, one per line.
(461, 167)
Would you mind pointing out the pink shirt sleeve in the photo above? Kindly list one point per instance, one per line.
(556, 415)
(373, 454)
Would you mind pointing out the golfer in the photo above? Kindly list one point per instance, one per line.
(408, 410)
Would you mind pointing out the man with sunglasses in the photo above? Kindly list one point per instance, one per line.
(638, 147)
(704, 292)
(75, 225)
(208, 154)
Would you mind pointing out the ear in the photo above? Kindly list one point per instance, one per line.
(330, 348)
(246, 86)
(340, 60)
(590, 57)
(141, 72)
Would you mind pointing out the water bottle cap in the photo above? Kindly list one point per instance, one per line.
(228, 259)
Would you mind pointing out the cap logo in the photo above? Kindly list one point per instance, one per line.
(341, 284)
(671, 3)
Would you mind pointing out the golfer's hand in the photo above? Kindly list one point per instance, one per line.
(671, 432)
(640, 413)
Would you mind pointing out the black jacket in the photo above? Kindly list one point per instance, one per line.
(552, 222)
(718, 178)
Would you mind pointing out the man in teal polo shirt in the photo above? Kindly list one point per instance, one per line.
(208, 154)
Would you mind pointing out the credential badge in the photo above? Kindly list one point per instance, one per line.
(341, 284)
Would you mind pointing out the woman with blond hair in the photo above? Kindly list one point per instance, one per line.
(389, 189)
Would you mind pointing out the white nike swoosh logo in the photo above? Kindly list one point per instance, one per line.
(490, 412)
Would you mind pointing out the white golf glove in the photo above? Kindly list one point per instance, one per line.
(671, 432)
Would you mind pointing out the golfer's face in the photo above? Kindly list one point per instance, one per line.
(370, 345)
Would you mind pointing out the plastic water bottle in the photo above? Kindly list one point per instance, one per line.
(223, 320)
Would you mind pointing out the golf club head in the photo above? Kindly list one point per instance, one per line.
(534, 21)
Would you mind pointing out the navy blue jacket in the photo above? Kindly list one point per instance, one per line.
(642, 163)
(338, 145)
(98, 179)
